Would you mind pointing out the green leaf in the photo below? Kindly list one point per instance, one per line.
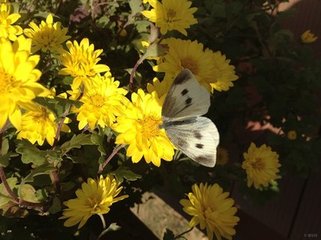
(124, 173)
(55, 206)
(76, 142)
(4, 155)
(4, 147)
(4, 159)
(154, 50)
(98, 140)
(28, 193)
(4, 196)
(135, 6)
(41, 170)
(30, 153)
(57, 105)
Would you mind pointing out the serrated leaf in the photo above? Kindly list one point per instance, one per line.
(41, 170)
(28, 193)
(30, 153)
(4, 159)
(4, 196)
(4, 147)
(135, 6)
(99, 141)
(142, 26)
(154, 50)
(124, 173)
(57, 105)
(76, 142)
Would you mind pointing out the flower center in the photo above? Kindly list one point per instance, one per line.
(258, 164)
(7, 82)
(150, 126)
(171, 14)
(94, 203)
(190, 64)
(97, 100)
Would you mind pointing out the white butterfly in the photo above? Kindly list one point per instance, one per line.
(195, 136)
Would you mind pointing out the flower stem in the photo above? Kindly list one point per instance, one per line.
(102, 220)
(7, 187)
(132, 74)
(183, 233)
(61, 122)
(114, 152)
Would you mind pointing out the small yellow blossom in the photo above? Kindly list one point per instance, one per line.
(292, 135)
(261, 165)
(308, 37)
(212, 209)
(18, 79)
(37, 124)
(160, 87)
(48, 36)
(139, 127)
(94, 197)
(171, 15)
(102, 100)
(81, 61)
(211, 69)
(7, 20)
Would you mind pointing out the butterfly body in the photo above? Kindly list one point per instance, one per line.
(182, 111)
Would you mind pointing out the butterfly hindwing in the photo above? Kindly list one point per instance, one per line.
(186, 98)
(196, 137)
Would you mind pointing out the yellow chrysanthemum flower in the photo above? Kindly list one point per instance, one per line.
(139, 126)
(102, 100)
(48, 36)
(171, 15)
(211, 69)
(37, 124)
(160, 87)
(7, 29)
(80, 61)
(261, 165)
(212, 209)
(308, 37)
(18, 79)
(94, 197)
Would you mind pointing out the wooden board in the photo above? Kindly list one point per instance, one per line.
(307, 223)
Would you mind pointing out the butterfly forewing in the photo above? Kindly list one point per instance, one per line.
(196, 137)
(186, 97)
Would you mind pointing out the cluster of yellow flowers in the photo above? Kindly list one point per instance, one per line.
(104, 103)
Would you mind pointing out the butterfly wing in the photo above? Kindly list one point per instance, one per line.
(196, 137)
(186, 97)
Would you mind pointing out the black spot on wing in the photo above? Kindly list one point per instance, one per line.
(179, 122)
(197, 135)
(181, 143)
(188, 101)
(199, 145)
(182, 77)
(184, 92)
